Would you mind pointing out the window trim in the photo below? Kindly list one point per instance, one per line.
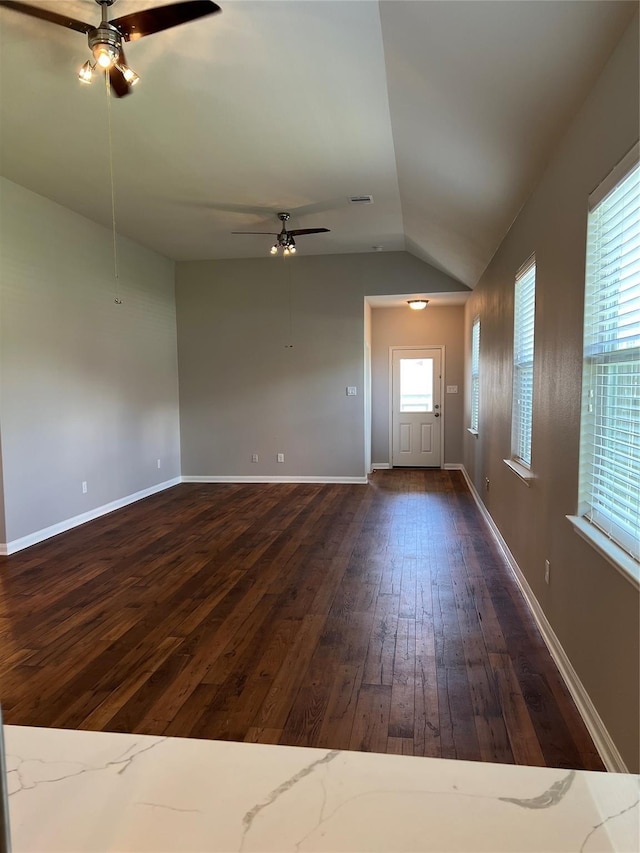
(615, 176)
(525, 474)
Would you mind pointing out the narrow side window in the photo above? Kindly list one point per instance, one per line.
(523, 335)
(475, 374)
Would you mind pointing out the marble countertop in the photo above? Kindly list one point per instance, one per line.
(95, 791)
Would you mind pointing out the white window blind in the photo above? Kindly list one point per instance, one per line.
(609, 492)
(475, 373)
(523, 331)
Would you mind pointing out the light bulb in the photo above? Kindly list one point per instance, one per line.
(105, 55)
(286, 250)
(85, 75)
(104, 59)
(274, 250)
(292, 249)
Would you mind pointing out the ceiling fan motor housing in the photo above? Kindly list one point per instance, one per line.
(105, 39)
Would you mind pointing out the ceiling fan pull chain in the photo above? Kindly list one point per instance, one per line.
(290, 307)
(117, 299)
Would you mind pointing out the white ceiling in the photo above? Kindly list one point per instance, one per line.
(444, 110)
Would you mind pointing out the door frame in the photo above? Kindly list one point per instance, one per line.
(392, 350)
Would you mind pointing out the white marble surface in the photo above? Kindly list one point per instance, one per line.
(87, 791)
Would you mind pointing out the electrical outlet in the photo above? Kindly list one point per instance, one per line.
(547, 571)
(280, 457)
(486, 484)
(254, 457)
(158, 463)
(84, 487)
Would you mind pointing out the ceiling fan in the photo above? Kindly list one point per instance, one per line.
(285, 239)
(106, 39)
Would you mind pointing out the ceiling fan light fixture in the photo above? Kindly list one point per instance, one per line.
(129, 74)
(274, 249)
(417, 304)
(292, 249)
(105, 39)
(85, 75)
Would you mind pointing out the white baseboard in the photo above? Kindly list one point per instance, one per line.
(69, 523)
(603, 741)
(231, 478)
(448, 466)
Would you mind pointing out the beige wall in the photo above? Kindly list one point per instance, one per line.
(244, 389)
(431, 327)
(592, 608)
(89, 388)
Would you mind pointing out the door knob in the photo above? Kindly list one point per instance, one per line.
(437, 414)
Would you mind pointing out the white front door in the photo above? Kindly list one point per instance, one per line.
(416, 422)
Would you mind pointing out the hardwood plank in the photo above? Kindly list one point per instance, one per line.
(427, 739)
(520, 729)
(382, 644)
(191, 713)
(399, 746)
(371, 720)
(402, 710)
(337, 725)
(276, 706)
(256, 735)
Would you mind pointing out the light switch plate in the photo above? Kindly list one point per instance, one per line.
(352, 391)
(452, 389)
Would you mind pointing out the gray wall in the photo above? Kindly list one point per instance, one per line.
(591, 607)
(266, 348)
(89, 388)
(3, 533)
(432, 327)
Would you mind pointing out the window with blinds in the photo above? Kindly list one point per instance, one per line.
(475, 373)
(523, 329)
(609, 492)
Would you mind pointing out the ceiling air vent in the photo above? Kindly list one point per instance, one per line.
(361, 199)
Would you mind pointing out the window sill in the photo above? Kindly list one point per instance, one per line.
(614, 554)
(472, 431)
(523, 474)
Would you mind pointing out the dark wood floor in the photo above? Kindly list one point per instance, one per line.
(376, 617)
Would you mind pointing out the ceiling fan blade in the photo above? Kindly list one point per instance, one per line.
(275, 233)
(150, 21)
(119, 85)
(297, 231)
(46, 15)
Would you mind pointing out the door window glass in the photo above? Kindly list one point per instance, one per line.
(416, 384)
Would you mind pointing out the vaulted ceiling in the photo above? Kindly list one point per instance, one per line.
(444, 111)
